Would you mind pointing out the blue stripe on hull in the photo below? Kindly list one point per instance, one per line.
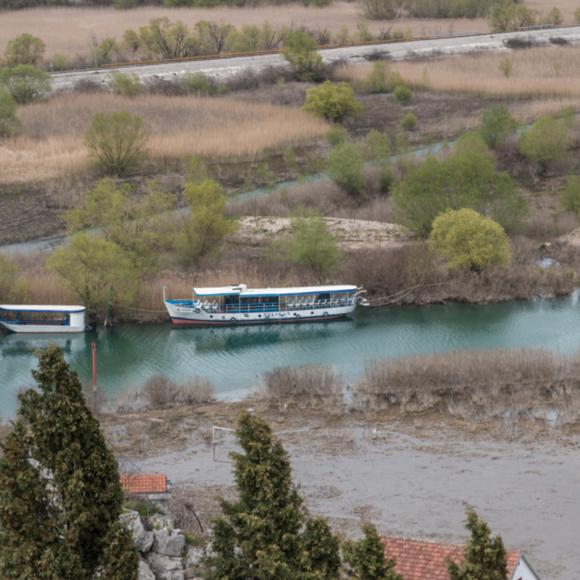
(189, 322)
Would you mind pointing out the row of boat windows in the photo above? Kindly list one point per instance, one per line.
(26, 317)
(276, 303)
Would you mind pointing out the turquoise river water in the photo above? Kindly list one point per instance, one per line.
(234, 359)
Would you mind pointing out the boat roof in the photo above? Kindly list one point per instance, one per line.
(243, 291)
(41, 308)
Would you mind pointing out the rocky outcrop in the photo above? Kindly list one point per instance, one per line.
(163, 550)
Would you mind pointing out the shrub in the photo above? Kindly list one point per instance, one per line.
(103, 53)
(313, 246)
(570, 195)
(117, 141)
(506, 66)
(12, 286)
(509, 15)
(337, 135)
(59, 62)
(553, 18)
(345, 167)
(8, 118)
(378, 81)
(378, 145)
(199, 84)
(386, 178)
(380, 9)
(24, 49)
(403, 94)
(497, 125)
(332, 101)
(546, 141)
(25, 83)
(300, 51)
(408, 122)
(125, 4)
(128, 85)
(465, 179)
(469, 241)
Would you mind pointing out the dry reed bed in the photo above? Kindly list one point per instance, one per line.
(552, 71)
(477, 383)
(50, 143)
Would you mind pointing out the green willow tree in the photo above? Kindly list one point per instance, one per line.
(485, 557)
(60, 496)
(98, 271)
(139, 225)
(203, 230)
(311, 245)
(267, 532)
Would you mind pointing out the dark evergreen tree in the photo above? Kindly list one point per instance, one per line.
(60, 496)
(322, 551)
(485, 557)
(366, 557)
(266, 533)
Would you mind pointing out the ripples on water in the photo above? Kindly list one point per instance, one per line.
(234, 359)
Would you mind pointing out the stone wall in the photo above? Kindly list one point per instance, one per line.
(163, 550)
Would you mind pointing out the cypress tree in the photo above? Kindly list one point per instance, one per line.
(366, 557)
(60, 496)
(266, 534)
(485, 557)
(322, 551)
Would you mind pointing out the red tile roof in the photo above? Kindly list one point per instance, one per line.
(420, 560)
(144, 482)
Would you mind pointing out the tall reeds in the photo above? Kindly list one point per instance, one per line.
(51, 141)
(544, 72)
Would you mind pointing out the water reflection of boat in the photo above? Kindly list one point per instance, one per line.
(18, 345)
(244, 337)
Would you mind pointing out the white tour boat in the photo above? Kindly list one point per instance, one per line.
(235, 305)
(42, 318)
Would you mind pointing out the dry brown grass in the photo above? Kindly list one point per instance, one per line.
(50, 144)
(474, 383)
(312, 387)
(69, 30)
(547, 72)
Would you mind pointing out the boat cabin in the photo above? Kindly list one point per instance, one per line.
(240, 300)
(29, 318)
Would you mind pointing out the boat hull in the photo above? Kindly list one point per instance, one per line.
(40, 328)
(198, 317)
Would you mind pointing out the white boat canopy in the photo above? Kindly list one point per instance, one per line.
(40, 308)
(242, 290)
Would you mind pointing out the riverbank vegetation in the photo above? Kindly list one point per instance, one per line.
(194, 152)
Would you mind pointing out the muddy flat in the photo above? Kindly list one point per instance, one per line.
(409, 477)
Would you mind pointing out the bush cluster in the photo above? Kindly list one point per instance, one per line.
(465, 179)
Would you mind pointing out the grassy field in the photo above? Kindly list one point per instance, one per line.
(50, 144)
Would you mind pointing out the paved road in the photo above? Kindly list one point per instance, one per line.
(228, 67)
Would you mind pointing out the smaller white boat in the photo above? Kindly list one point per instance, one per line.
(34, 318)
(239, 305)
